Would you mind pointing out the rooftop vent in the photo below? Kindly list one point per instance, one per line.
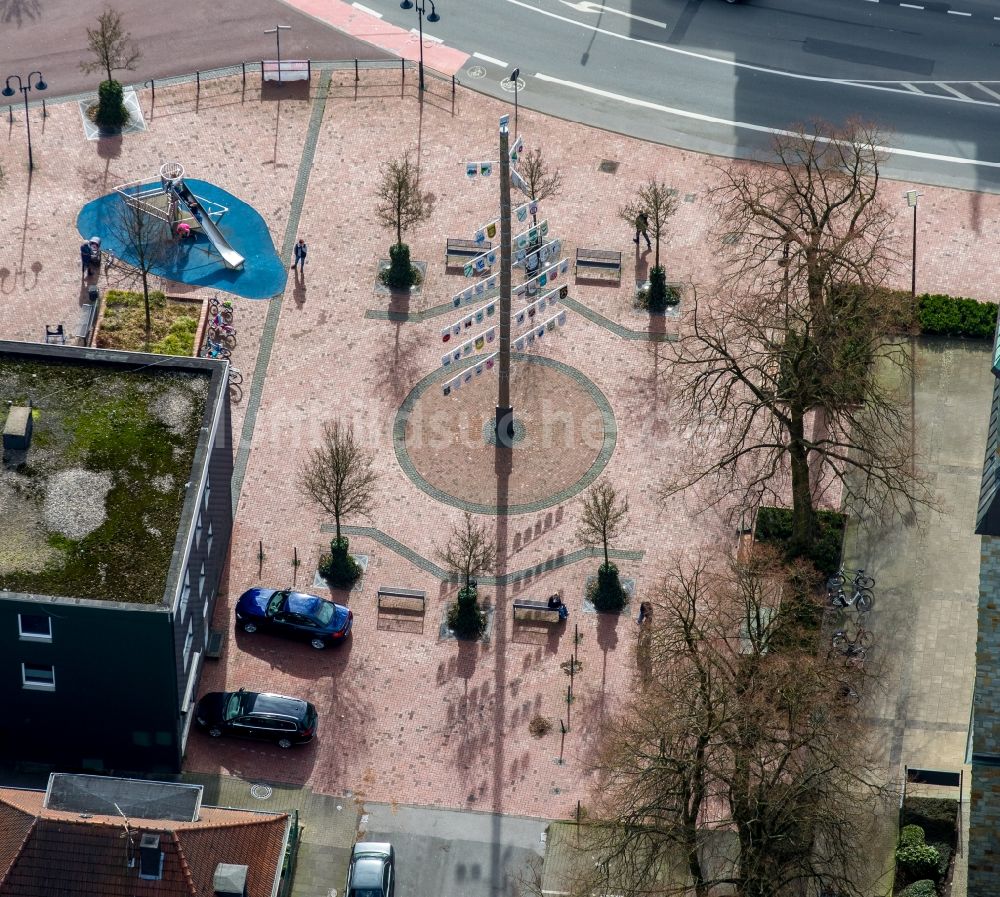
(230, 880)
(150, 857)
(17, 429)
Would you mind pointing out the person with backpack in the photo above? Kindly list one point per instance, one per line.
(300, 255)
(642, 228)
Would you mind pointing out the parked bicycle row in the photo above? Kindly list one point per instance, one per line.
(856, 592)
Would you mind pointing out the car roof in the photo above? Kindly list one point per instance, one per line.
(368, 871)
(300, 603)
(281, 704)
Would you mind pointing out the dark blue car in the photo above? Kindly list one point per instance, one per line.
(293, 614)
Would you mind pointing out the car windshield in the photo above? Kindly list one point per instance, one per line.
(276, 603)
(323, 612)
(366, 892)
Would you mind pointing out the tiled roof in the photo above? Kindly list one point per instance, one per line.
(58, 854)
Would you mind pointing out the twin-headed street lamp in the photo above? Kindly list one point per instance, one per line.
(8, 91)
(432, 16)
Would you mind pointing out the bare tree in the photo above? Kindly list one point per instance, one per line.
(791, 373)
(401, 203)
(742, 762)
(338, 476)
(146, 246)
(470, 551)
(604, 516)
(112, 46)
(541, 181)
(658, 202)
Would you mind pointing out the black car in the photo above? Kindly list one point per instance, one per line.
(265, 717)
(294, 614)
(372, 872)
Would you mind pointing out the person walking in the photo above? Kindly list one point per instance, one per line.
(300, 255)
(85, 256)
(642, 228)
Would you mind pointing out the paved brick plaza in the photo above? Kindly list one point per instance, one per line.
(405, 715)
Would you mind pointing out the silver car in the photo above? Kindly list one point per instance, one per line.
(373, 870)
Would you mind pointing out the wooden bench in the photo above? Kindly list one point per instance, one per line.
(85, 324)
(535, 612)
(285, 70)
(600, 261)
(392, 598)
(463, 250)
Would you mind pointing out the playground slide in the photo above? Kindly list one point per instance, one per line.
(229, 255)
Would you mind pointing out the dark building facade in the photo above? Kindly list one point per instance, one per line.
(109, 685)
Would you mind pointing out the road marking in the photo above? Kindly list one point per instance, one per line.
(588, 6)
(955, 12)
(909, 86)
(986, 90)
(887, 86)
(370, 12)
(910, 6)
(763, 129)
(949, 88)
(430, 37)
(500, 62)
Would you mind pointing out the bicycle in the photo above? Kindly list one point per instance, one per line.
(856, 647)
(224, 335)
(846, 693)
(861, 599)
(216, 350)
(860, 580)
(221, 308)
(235, 376)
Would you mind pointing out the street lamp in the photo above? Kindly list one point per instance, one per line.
(432, 16)
(514, 75)
(911, 200)
(8, 91)
(276, 31)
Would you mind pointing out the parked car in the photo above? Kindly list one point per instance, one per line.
(294, 614)
(372, 872)
(265, 717)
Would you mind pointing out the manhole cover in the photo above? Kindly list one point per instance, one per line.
(476, 71)
(261, 792)
(607, 166)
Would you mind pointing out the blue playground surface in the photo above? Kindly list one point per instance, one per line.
(194, 260)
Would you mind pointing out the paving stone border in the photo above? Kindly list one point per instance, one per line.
(609, 427)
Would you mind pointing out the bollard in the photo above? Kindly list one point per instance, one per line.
(10, 114)
(45, 111)
(260, 557)
(402, 68)
(244, 75)
(453, 87)
(197, 79)
(357, 77)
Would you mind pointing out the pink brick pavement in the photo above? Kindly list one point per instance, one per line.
(406, 717)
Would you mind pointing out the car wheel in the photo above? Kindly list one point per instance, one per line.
(249, 627)
(318, 644)
(215, 731)
(284, 743)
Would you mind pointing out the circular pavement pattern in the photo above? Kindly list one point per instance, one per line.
(568, 427)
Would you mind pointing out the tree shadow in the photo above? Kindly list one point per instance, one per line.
(18, 11)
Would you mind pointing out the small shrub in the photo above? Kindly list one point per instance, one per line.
(659, 295)
(401, 273)
(465, 618)
(923, 888)
(111, 113)
(937, 816)
(606, 592)
(916, 860)
(943, 315)
(539, 726)
(911, 834)
(338, 567)
(179, 339)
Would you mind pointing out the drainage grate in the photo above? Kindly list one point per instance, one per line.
(608, 167)
(731, 239)
(261, 792)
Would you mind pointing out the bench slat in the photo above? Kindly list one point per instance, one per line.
(401, 593)
(535, 610)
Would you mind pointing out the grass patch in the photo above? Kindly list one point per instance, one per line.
(174, 323)
(139, 428)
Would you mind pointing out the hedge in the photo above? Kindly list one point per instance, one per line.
(774, 525)
(940, 315)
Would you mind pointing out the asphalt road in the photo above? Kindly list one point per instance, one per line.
(176, 38)
(454, 853)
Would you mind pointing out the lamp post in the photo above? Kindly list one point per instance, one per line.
(432, 16)
(911, 200)
(8, 91)
(514, 75)
(276, 31)
(504, 421)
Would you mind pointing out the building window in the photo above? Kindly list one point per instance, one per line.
(185, 596)
(201, 581)
(208, 540)
(34, 627)
(40, 677)
(188, 642)
(197, 533)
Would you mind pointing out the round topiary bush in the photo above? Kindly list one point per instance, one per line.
(111, 114)
(923, 888)
(400, 273)
(465, 618)
(916, 860)
(606, 592)
(338, 567)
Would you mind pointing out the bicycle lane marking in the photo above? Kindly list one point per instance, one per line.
(274, 305)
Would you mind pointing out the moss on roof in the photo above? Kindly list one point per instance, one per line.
(91, 510)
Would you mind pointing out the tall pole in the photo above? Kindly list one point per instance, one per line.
(27, 123)
(276, 31)
(504, 411)
(913, 271)
(420, 29)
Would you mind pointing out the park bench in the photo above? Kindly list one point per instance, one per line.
(285, 70)
(599, 261)
(463, 250)
(393, 598)
(85, 323)
(534, 612)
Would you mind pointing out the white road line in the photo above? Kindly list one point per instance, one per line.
(955, 12)
(910, 6)
(866, 84)
(589, 6)
(430, 37)
(909, 86)
(763, 129)
(370, 12)
(949, 88)
(985, 89)
(492, 59)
